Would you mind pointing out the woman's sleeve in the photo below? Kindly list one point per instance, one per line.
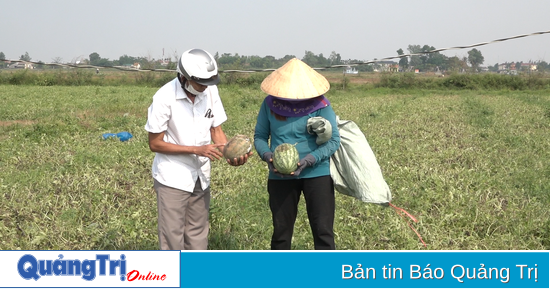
(262, 131)
(327, 149)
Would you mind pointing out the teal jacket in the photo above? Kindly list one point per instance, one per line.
(270, 132)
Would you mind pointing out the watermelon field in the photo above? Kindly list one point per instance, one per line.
(472, 166)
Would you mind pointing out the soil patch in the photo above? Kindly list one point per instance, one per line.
(5, 123)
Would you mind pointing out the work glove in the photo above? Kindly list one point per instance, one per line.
(307, 161)
(268, 158)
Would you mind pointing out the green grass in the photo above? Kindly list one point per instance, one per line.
(472, 166)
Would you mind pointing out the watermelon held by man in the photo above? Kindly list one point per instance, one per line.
(237, 147)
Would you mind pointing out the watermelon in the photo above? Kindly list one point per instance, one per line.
(286, 158)
(237, 146)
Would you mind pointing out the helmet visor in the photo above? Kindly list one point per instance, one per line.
(207, 81)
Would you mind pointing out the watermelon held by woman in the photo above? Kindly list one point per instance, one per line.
(286, 158)
(237, 146)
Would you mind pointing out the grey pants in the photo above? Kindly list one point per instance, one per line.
(182, 217)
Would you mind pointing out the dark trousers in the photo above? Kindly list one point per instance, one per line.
(284, 196)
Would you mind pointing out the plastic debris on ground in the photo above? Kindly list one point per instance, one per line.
(122, 136)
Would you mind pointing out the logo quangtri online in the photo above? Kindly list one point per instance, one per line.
(31, 268)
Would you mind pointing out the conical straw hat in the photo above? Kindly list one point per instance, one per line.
(295, 80)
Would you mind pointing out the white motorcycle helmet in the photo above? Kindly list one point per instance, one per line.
(199, 65)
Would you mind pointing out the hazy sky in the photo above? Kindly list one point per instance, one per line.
(356, 29)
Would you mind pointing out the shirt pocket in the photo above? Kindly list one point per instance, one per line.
(204, 124)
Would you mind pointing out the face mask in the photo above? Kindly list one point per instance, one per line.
(191, 89)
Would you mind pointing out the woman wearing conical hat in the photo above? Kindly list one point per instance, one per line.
(296, 94)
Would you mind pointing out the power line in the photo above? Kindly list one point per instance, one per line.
(457, 47)
(267, 70)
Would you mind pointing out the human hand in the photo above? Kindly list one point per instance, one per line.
(268, 158)
(211, 151)
(240, 160)
(307, 161)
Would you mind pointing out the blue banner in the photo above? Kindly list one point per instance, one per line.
(274, 269)
(365, 269)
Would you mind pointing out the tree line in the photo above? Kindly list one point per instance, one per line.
(419, 58)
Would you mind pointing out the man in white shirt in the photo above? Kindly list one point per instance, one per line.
(183, 121)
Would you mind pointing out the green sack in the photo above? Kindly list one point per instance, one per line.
(320, 126)
(354, 168)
